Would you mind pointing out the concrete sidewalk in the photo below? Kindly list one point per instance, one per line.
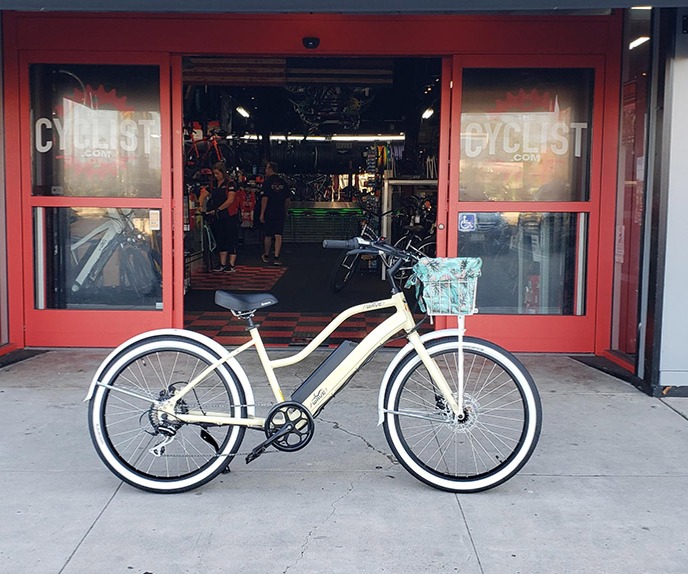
(604, 492)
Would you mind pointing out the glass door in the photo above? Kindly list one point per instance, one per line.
(99, 197)
(525, 200)
(627, 324)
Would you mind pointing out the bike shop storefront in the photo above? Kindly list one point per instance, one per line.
(98, 172)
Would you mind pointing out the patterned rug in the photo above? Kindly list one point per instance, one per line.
(245, 278)
(283, 329)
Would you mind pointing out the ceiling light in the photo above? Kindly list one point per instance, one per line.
(638, 41)
(370, 138)
(335, 138)
(641, 7)
(242, 111)
(427, 113)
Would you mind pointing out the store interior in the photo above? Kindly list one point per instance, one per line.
(356, 139)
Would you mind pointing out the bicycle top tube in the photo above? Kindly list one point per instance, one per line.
(402, 314)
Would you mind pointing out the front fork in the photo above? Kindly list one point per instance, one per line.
(455, 403)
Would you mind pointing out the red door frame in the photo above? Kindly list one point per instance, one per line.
(61, 327)
(551, 333)
(124, 38)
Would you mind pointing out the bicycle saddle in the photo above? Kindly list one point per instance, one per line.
(245, 301)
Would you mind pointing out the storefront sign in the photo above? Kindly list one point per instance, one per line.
(99, 133)
(520, 137)
(95, 134)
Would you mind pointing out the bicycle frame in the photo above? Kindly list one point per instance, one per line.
(202, 148)
(116, 223)
(326, 390)
(467, 437)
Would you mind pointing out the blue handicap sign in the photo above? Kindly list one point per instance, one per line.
(468, 221)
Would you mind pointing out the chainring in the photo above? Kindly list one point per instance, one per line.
(290, 412)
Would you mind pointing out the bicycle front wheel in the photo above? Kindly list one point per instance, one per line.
(496, 437)
(345, 270)
(152, 450)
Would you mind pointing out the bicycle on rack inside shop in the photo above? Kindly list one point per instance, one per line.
(418, 237)
(168, 409)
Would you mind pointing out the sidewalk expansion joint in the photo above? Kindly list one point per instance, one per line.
(310, 534)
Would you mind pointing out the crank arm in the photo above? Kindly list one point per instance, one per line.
(262, 447)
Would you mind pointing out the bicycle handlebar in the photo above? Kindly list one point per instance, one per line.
(394, 257)
(341, 244)
(376, 246)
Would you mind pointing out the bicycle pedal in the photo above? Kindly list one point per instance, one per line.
(263, 446)
(255, 453)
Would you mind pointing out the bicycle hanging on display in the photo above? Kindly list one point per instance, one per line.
(169, 409)
(204, 153)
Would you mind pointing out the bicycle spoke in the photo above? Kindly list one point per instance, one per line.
(484, 445)
(153, 449)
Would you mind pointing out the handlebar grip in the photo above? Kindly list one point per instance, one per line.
(340, 243)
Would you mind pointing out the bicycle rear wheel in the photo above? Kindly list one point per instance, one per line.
(345, 270)
(126, 427)
(136, 270)
(503, 417)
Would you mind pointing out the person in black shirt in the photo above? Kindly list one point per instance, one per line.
(273, 211)
(222, 209)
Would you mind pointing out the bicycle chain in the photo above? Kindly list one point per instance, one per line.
(237, 454)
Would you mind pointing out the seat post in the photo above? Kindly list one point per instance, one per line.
(248, 317)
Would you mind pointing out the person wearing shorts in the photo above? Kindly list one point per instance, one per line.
(273, 212)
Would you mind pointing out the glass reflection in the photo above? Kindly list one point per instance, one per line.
(96, 130)
(98, 258)
(525, 134)
(529, 261)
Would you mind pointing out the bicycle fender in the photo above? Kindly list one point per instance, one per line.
(182, 333)
(400, 356)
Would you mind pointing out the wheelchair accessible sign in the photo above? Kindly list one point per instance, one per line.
(468, 222)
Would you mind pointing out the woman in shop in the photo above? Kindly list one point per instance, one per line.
(222, 210)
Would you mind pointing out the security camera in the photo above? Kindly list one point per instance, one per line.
(311, 42)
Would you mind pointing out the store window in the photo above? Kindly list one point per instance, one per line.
(96, 135)
(526, 137)
(528, 261)
(525, 134)
(96, 130)
(97, 258)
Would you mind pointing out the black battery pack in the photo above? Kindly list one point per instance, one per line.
(324, 370)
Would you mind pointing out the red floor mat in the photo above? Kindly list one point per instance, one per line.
(245, 278)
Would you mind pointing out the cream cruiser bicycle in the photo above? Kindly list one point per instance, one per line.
(169, 408)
